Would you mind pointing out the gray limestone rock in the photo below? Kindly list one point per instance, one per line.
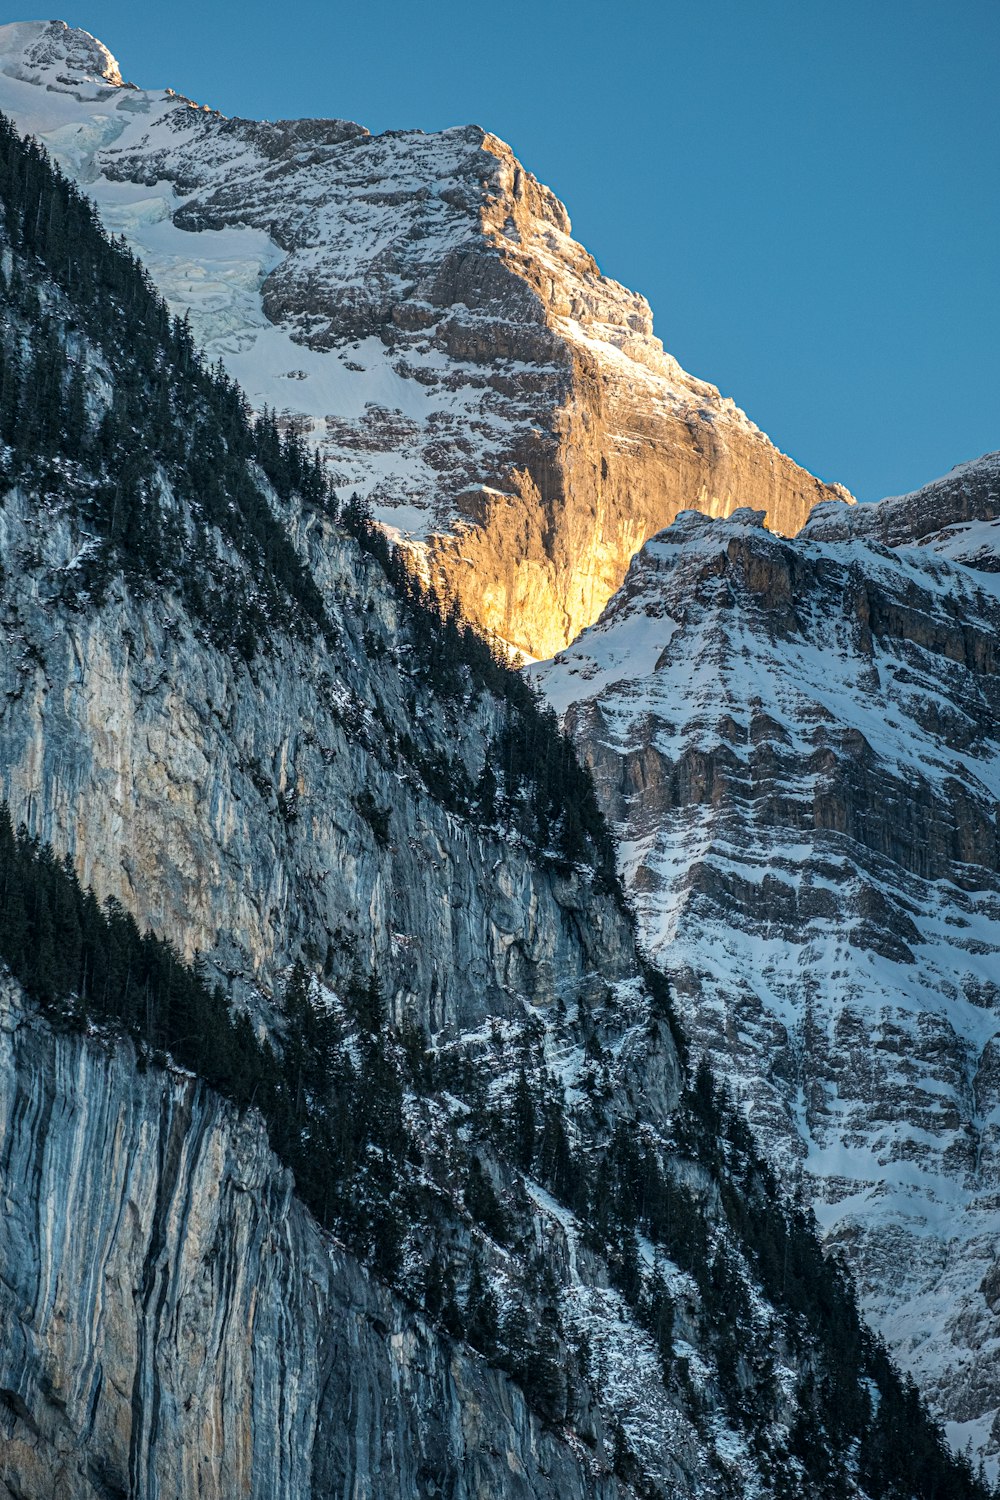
(175, 1324)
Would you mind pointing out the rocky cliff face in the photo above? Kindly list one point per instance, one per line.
(171, 1297)
(797, 744)
(231, 805)
(175, 1323)
(417, 306)
(173, 779)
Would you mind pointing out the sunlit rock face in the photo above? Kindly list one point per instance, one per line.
(417, 305)
(797, 742)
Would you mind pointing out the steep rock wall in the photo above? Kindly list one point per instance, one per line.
(631, 439)
(176, 1324)
(224, 804)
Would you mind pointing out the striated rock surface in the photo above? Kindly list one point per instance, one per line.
(797, 744)
(175, 1324)
(224, 803)
(416, 305)
(172, 1300)
(176, 1321)
(164, 1300)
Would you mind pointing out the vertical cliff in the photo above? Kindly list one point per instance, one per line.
(176, 1324)
(234, 805)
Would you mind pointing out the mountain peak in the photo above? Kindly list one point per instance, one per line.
(57, 55)
(968, 495)
(417, 307)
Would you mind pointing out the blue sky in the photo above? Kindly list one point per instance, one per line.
(808, 193)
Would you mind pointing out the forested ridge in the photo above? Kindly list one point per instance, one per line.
(78, 307)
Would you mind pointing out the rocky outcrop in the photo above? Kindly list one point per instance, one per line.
(174, 1304)
(261, 815)
(417, 305)
(174, 1323)
(950, 515)
(797, 744)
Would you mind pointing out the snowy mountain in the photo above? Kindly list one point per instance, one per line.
(404, 1187)
(797, 745)
(417, 306)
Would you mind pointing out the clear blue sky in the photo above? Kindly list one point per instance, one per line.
(807, 191)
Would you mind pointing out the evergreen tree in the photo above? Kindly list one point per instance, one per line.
(482, 1318)
(523, 1122)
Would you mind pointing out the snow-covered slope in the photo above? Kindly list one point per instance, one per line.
(417, 305)
(798, 743)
